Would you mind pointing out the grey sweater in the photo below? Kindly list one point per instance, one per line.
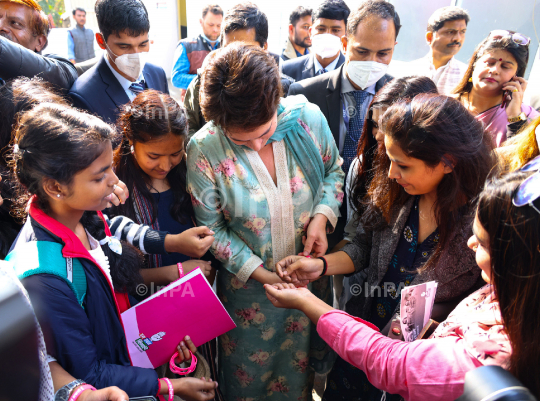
(456, 272)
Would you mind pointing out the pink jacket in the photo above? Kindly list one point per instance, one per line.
(422, 370)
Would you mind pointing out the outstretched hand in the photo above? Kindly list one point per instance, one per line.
(287, 295)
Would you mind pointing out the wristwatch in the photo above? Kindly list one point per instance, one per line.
(64, 393)
(521, 117)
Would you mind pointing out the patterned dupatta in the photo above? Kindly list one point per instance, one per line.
(143, 212)
(300, 143)
(477, 320)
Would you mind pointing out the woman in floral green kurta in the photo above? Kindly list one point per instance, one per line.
(257, 222)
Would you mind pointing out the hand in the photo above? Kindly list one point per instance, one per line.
(183, 350)
(315, 241)
(121, 192)
(191, 389)
(190, 265)
(516, 87)
(287, 295)
(299, 269)
(105, 394)
(194, 242)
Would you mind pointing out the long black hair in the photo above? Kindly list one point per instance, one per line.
(57, 142)
(152, 115)
(514, 250)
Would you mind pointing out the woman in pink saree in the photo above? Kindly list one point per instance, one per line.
(493, 86)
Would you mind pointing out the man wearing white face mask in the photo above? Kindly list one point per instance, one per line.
(329, 24)
(122, 72)
(344, 95)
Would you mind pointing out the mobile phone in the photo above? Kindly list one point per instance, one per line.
(149, 398)
(507, 95)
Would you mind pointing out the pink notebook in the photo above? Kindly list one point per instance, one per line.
(155, 327)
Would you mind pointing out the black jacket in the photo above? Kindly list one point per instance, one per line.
(325, 91)
(18, 61)
(304, 67)
(99, 92)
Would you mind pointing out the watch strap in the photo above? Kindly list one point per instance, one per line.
(64, 393)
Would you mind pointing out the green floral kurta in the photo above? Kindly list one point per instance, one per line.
(258, 223)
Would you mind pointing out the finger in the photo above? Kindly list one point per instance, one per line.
(185, 350)
(121, 192)
(206, 242)
(308, 245)
(190, 344)
(295, 266)
(203, 231)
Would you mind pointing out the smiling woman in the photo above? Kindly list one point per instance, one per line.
(264, 173)
(416, 222)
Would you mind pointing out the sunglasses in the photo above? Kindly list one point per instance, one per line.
(529, 190)
(517, 38)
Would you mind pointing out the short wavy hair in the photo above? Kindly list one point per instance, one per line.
(240, 87)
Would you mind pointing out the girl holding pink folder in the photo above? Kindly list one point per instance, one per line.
(497, 325)
(62, 161)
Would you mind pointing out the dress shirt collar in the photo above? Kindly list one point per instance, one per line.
(329, 67)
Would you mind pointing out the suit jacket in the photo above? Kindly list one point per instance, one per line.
(304, 67)
(99, 92)
(325, 91)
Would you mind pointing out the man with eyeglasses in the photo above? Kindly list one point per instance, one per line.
(445, 35)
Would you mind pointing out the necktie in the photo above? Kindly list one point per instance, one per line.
(356, 123)
(322, 71)
(138, 87)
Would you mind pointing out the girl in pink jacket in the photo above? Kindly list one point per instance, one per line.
(497, 325)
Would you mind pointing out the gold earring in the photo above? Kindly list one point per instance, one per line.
(470, 79)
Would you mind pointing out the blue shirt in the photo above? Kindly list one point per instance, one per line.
(181, 78)
(298, 54)
(164, 200)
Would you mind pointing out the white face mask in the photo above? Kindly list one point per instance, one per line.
(366, 73)
(325, 45)
(130, 64)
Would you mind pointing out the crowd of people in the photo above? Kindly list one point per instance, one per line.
(289, 181)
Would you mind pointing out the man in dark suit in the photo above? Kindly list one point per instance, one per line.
(344, 95)
(123, 72)
(329, 24)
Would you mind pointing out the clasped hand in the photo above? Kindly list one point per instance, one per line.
(299, 270)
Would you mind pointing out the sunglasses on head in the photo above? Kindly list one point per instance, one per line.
(517, 38)
(529, 190)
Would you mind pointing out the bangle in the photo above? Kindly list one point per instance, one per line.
(80, 390)
(180, 270)
(183, 371)
(325, 268)
(170, 387)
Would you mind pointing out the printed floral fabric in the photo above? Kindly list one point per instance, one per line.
(477, 320)
(256, 221)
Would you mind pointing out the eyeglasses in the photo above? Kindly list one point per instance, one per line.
(517, 38)
(529, 190)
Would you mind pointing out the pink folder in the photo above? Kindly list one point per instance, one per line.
(155, 326)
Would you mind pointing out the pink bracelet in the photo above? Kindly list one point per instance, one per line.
(80, 390)
(170, 387)
(183, 371)
(180, 270)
